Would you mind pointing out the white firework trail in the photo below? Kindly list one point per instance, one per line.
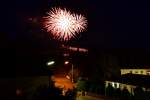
(63, 24)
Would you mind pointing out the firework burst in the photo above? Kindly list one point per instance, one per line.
(63, 24)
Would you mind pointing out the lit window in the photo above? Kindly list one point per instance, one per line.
(117, 85)
(113, 84)
(141, 72)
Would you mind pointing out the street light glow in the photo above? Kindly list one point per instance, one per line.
(50, 63)
(66, 62)
(67, 77)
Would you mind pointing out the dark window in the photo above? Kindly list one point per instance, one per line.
(131, 72)
(136, 72)
(141, 72)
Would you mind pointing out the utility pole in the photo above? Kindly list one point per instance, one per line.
(72, 73)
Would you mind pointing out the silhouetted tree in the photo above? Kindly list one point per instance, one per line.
(147, 95)
(117, 92)
(92, 87)
(41, 93)
(125, 95)
(109, 90)
(138, 93)
(70, 94)
(82, 85)
(45, 92)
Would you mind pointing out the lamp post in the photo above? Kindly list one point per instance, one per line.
(50, 63)
(72, 69)
(72, 72)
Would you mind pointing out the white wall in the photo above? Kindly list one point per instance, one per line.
(135, 71)
(121, 86)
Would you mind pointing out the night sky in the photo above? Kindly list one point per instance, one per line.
(111, 25)
(122, 24)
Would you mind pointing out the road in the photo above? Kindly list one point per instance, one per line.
(89, 98)
(63, 82)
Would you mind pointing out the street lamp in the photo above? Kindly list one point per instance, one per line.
(72, 67)
(50, 63)
(66, 62)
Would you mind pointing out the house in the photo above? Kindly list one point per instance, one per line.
(131, 79)
(135, 71)
(130, 82)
